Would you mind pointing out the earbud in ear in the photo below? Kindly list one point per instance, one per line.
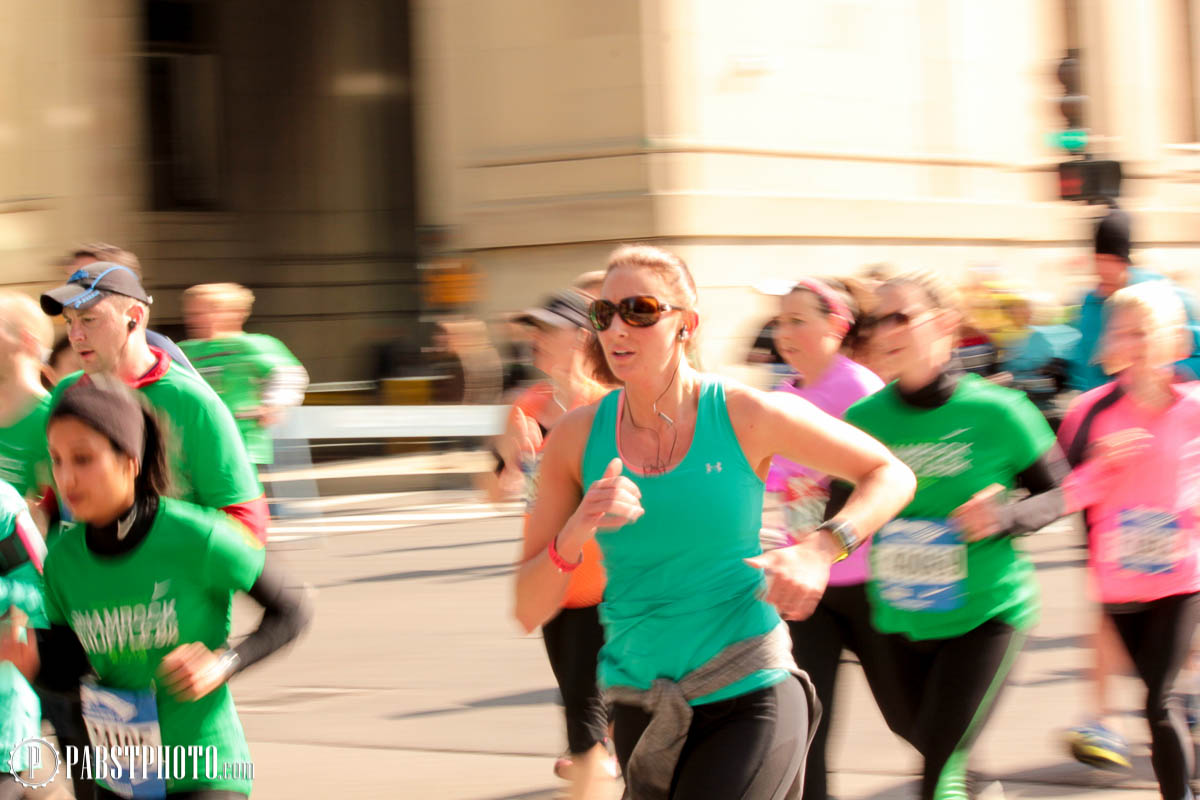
(132, 324)
(683, 334)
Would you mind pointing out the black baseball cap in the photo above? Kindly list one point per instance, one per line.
(90, 285)
(565, 309)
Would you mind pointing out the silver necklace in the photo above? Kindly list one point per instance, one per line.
(659, 466)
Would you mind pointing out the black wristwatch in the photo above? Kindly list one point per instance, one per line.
(843, 532)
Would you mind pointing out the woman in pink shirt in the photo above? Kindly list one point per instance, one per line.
(817, 320)
(1137, 445)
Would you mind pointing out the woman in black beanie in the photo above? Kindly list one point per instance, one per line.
(139, 594)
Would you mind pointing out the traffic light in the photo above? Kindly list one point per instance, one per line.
(1074, 136)
(1083, 178)
(1089, 179)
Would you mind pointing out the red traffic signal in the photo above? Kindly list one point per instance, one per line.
(1089, 180)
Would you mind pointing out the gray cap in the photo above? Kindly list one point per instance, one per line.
(90, 285)
(565, 309)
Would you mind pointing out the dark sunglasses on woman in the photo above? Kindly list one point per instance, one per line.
(896, 318)
(639, 311)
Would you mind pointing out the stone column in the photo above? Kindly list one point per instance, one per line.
(70, 131)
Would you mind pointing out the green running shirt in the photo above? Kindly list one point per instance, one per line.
(983, 434)
(237, 368)
(130, 610)
(20, 709)
(678, 589)
(24, 461)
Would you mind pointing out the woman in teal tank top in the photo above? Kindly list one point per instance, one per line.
(667, 475)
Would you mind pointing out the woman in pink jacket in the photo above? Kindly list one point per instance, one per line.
(1136, 443)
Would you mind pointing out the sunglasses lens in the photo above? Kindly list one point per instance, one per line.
(641, 312)
(601, 314)
(895, 319)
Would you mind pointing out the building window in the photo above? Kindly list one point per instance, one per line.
(183, 101)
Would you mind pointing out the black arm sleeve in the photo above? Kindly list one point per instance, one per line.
(63, 659)
(1043, 479)
(286, 612)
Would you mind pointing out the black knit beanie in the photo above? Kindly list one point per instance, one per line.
(1112, 234)
(108, 407)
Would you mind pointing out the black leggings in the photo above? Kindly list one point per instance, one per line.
(750, 747)
(1158, 637)
(65, 712)
(573, 641)
(843, 621)
(950, 689)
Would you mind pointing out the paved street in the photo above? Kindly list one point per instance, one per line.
(415, 682)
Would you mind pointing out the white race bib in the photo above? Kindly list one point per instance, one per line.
(1149, 541)
(529, 468)
(121, 718)
(804, 504)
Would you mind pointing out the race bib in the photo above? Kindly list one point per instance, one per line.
(1149, 541)
(804, 504)
(117, 719)
(529, 468)
(920, 565)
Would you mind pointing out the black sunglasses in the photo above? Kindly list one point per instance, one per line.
(897, 318)
(639, 311)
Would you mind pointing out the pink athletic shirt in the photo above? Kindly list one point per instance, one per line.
(1143, 539)
(843, 384)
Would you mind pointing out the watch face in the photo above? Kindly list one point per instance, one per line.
(845, 534)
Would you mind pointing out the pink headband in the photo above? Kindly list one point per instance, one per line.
(837, 306)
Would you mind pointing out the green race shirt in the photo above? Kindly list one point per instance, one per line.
(20, 709)
(237, 368)
(130, 610)
(209, 466)
(984, 434)
(24, 461)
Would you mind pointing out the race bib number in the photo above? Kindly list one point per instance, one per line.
(804, 504)
(1148, 541)
(118, 719)
(920, 565)
(529, 468)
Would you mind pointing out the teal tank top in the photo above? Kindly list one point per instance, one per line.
(678, 590)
